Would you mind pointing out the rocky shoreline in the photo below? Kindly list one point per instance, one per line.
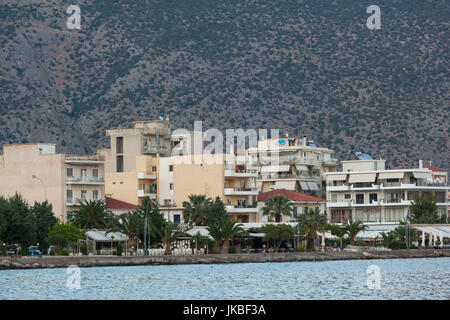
(104, 261)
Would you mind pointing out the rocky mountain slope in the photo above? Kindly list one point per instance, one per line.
(306, 67)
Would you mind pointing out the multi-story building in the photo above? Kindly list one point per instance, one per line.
(132, 161)
(299, 165)
(38, 173)
(230, 179)
(367, 192)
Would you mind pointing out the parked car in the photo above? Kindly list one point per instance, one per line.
(34, 251)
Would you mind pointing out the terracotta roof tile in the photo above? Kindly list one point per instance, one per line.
(434, 169)
(292, 195)
(112, 203)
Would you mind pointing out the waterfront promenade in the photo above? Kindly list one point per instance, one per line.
(103, 261)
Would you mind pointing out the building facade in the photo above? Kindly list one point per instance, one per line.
(293, 164)
(367, 192)
(38, 173)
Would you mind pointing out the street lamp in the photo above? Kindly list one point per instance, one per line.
(45, 189)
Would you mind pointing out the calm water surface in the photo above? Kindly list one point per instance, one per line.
(400, 279)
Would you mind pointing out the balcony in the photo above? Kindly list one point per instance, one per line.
(242, 209)
(85, 180)
(339, 188)
(241, 173)
(330, 162)
(143, 194)
(76, 202)
(144, 175)
(241, 191)
(154, 149)
(92, 160)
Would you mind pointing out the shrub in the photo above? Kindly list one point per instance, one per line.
(98, 252)
(119, 249)
(232, 250)
(114, 253)
(84, 249)
(52, 252)
(65, 252)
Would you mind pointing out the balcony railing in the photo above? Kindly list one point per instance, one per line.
(81, 180)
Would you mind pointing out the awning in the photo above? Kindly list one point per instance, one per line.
(391, 175)
(313, 186)
(289, 185)
(337, 177)
(100, 235)
(362, 177)
(422, 175)
(267, 169)
(301, 167)
(304, 185)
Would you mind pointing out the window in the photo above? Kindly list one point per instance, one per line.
(360, 198)
(167, 202)
(119, 145)
(119, 164)
(94, 194)
(69, 172)
(170, 168)
(69, 215)
(295, 212)
(333, 197)
(83, 174)
(83, 195)
(392, 180)
(368, 215)
(347, 196)
(373, 197)
(153, 168)
(176, 218)
(95, 173)
(171, 186)
(69, 196)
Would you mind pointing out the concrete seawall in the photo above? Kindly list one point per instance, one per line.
(103, 261)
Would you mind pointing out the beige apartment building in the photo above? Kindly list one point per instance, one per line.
(301, 165)
(38, 173)
(229, 178)
(132, 161)
(367, 192)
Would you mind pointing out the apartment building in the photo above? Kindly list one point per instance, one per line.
(38, 173)
(367, 192)
(300, 165)
(132, 161)
(230, 179)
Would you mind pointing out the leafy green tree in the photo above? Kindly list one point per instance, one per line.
(20, 222)
(276, 234)
(396, 239)
(353, 228)
(196, 210)
(276, 207)
(93, 214)
(45, 220)
(63, 234)
(169, 233)
(309, 223)
(3, 219)
(337, 231)
(216, 211)
(424, 210)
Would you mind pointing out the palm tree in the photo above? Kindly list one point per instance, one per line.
(170, 232)
(353, 228)
(276, 207)
(196, 210)
(130, 223)
(225, 230)
(310, 223)
(93, 215)
(338, 232)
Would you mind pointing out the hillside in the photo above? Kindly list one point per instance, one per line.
(307, 67)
